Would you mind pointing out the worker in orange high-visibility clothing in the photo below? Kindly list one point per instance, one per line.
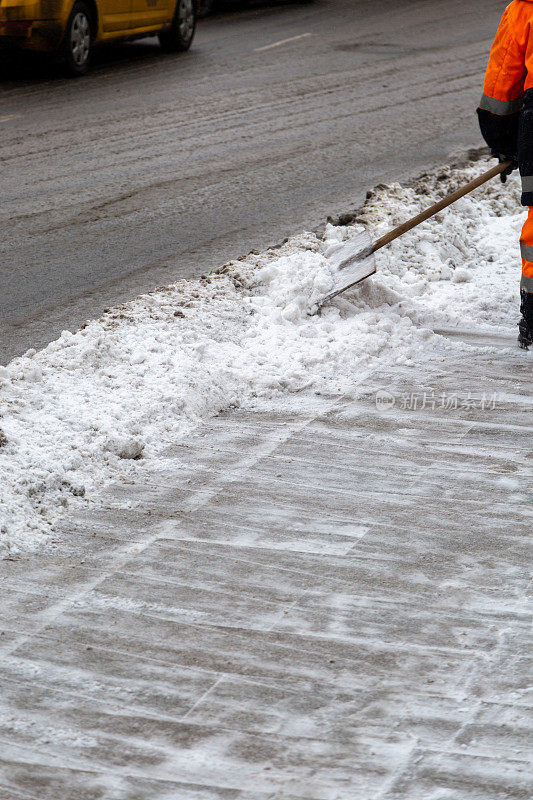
(506, 120)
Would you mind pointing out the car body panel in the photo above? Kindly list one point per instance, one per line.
(115, 15)
(152, 12)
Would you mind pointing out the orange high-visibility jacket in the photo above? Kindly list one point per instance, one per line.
(506, 108)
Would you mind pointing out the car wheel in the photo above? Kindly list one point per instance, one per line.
(77, 44)
(181, 32)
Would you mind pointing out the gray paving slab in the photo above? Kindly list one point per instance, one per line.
(321, 606)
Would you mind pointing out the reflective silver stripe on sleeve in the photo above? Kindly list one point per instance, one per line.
(500, 107)
(527, 252)
(527, 183)
(526, 284)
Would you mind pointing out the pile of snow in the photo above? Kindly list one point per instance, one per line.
(99, 404)
(463, 267)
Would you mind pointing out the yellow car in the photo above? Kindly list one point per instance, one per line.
(72, 27)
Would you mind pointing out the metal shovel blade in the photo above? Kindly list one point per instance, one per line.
(350, 263)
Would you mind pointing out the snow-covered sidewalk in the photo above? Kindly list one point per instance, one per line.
(292, 562)
(103, 403)
(320, 599)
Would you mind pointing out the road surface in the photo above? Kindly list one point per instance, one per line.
(157, 167)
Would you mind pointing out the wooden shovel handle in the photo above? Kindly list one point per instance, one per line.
(447, 201)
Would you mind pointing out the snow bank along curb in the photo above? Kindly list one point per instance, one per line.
(97, 404)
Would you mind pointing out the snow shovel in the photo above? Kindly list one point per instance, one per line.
(353, 262)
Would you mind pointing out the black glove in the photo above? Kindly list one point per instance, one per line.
(511, 168)
(501, 134)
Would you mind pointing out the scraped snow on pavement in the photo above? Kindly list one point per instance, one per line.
(95, 405)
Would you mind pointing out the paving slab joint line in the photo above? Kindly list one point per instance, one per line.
(284, 611)
(411, 758)
(305, 638)
(451, 745)
(119, 707)
(264, 449)
(113, 771)
(120, 557)
(425, 468)
(485, 659)
(202, 698)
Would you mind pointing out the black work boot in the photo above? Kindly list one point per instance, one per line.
(525, 326)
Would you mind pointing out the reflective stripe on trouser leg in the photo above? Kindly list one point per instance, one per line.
(526, 246)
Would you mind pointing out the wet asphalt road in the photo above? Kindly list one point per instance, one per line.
(156, 167)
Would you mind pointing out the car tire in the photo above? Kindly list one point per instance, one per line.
(76, 49)
(181, 33)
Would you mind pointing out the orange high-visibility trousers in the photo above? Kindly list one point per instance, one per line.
(526, 245)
